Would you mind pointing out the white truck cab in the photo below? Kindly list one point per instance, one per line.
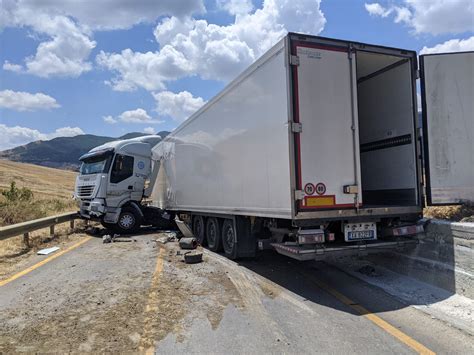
(112, 182)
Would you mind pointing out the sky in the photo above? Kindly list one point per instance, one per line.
(109, 67)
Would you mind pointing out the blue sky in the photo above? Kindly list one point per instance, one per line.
(109, 68)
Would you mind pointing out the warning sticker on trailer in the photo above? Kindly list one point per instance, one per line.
(320, 188)
(309, 189)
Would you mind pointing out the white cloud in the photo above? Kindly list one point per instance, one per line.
(147, 70)
(429, 16)
(149, 130)
(136, 116)
(65, 51)
(453, 45)
(108, 14)
(132, 116)
(195, 47)
(235, 7)
(177, 106)
(109, 119)
(12, 67)
(65, 54)
(11, 137)
(376, 9)
(24, 101)
(68, 26)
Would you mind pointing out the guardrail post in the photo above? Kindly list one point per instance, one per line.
(26, 239)
(51, 230)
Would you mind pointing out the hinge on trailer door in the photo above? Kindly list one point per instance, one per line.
(294, 60)
(417, 74)
(299, 195)
(296, 127)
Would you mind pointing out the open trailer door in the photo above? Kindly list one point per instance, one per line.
(447, 94)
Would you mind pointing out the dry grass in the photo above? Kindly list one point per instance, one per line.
(52, 190)
(464, 213)
(46, 183)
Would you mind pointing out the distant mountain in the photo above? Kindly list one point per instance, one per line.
(62, 152)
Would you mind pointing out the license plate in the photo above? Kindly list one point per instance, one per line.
(358, 235)
(360, 231)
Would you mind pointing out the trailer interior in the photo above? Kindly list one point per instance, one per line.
(386, 130)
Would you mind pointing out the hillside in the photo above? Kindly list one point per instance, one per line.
(52, 191)
(62, 152)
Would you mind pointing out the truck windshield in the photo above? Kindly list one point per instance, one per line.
(95, 165)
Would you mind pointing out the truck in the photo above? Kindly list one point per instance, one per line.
(316, 149)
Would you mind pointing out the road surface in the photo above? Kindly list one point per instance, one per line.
(140, 296)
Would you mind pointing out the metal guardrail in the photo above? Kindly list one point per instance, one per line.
(26, 227)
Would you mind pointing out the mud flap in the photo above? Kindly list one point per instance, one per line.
(246, 241)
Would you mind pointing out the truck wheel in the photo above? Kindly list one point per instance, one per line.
(228, 239)
(128, 222)
(199, 229)
(213, 234)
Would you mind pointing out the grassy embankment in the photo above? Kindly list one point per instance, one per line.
(37, 192)
(51, 190)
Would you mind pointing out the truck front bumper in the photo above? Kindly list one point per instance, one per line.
(92, 208)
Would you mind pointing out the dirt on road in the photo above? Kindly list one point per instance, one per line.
(121, 309)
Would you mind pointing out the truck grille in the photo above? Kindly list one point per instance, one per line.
(85, 191)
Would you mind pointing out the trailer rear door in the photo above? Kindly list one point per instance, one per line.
(447, 86)
(326, 129)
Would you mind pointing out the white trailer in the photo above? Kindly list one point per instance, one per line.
(316, 148)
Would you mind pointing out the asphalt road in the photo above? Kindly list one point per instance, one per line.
(140, 296)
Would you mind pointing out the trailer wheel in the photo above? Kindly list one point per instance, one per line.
(128, 222)
(228, 239)
(199, 229)
(213, 234)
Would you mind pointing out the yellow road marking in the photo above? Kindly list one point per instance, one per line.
(42, 262)
(146, 340)
(404, 338)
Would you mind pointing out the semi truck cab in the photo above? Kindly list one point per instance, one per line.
(113, 179)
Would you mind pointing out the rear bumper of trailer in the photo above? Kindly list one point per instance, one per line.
(352, 213)
(306, 253)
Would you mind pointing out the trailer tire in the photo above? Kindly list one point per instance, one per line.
(229, 242)
(213, 234)
(199, 229)
(128, 222)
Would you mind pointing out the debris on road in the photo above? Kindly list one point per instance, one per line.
(167, 237)
(116, 239)
(188, 243)
(47, 251)
(192, 257)
(184, 229)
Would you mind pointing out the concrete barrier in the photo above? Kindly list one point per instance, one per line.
(444, 257)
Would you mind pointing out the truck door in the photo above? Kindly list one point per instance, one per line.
(123, 180)
(447, 88)
(326, 126)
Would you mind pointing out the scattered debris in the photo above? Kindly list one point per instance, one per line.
(192, 257)
(188, 243)
(106, 238)
(47, 251)
(167, 237)
(184, 229)
(122, 240)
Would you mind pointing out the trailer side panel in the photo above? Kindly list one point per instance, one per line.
(232, 156)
